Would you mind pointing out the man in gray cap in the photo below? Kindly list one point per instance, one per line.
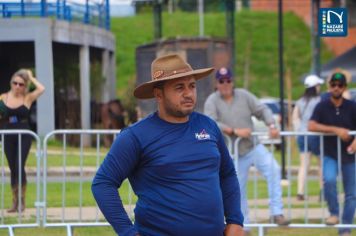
(233, 109)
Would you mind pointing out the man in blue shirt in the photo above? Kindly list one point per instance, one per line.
(337, 115)
(176, 161)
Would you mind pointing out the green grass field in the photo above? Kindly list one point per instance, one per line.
(72, 193)
(256, 41)
(107, 231)
(85, 231)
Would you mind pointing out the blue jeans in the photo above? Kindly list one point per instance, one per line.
(330, 172)
(313, 144)
(265, 163)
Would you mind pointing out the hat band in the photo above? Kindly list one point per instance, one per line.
(159, 74)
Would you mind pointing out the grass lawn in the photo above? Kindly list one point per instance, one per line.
(54, 197)
(72, 156)
(87, 231)
(71, 196)
(108, 231)
(256, 41)
(72, 193)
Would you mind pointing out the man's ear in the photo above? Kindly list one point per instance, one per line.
(158, 93)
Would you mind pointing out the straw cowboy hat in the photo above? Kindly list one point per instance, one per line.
(166, 68)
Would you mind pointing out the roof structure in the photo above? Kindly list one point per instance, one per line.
(345, 61)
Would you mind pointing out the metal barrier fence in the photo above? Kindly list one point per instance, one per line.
(64, 172)
(20, 221)
(292, 211)
(77, 168)
(92, 12)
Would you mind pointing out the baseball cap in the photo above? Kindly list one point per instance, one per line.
(312, 80)
(338, 76)
(223, 73)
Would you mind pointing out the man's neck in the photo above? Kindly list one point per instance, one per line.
(172, 119)
(337, 101)
(228, 98)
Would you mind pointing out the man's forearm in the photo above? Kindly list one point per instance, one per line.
(317, 127)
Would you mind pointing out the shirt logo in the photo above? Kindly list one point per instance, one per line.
(203, 135)
(13, 119)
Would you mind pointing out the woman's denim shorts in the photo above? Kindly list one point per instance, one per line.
(313, 144)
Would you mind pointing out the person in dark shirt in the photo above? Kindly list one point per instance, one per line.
(176, 161)
(337, 115)
(15, 110)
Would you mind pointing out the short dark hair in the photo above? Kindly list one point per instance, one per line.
(159, 85)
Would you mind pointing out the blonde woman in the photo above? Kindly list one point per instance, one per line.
(15, 108)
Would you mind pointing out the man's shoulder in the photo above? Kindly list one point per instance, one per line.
(350, 106)
(243, 92)
(324, 106)
(324, 103)
(200, 116)
(213, 96)
(142, 123)
(349, 102)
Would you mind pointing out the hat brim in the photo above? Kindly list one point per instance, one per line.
(145, 90)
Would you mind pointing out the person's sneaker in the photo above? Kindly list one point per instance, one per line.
(280, 220)
(332, 220)
(300, 197)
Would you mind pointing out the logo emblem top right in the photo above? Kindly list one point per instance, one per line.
(333, 22)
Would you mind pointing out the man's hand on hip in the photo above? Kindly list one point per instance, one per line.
(233, 230)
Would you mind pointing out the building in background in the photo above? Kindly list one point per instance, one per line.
(72, 52)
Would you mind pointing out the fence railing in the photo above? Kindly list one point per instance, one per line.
(92, 12)
(61, 173)
(291, 209)
(77, 168)
(19, 136)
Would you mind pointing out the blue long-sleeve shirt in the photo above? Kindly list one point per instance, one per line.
(182, 174)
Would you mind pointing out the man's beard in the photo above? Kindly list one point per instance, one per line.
(176, 113)
(337, 96)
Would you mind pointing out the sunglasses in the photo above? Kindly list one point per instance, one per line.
(224, 81)
(18, 84)
(333, 85)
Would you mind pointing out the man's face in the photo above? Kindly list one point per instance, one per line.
(336, 89)
(225, 86)
(178, 97)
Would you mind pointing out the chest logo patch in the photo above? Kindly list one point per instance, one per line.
(203, 135)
